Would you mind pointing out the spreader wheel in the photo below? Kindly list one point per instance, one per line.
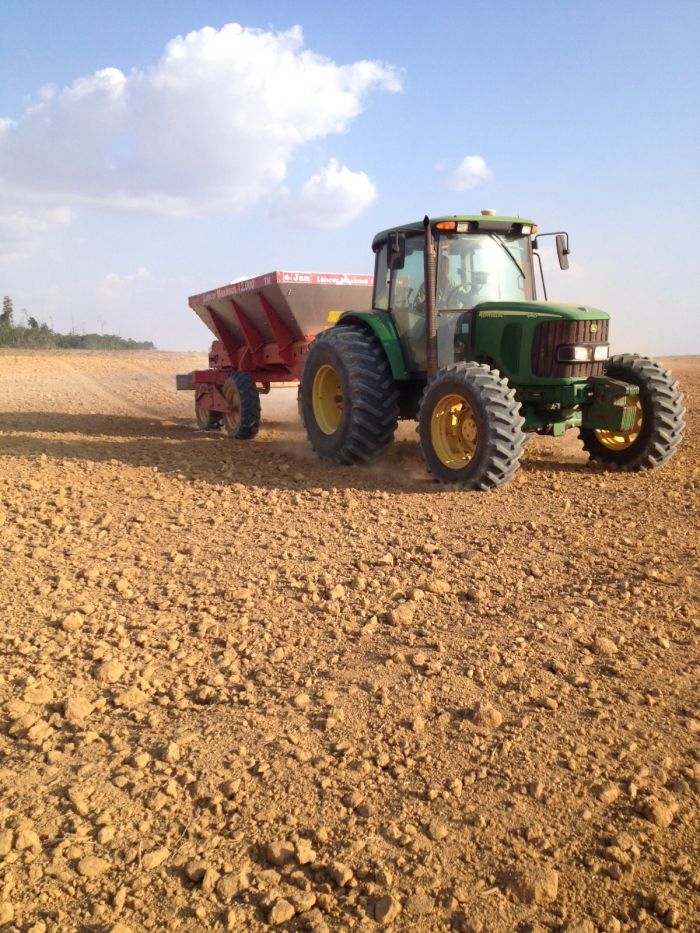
(470, 427)
(349, 399)
(207, 419)
(658, 424)
(242, 420)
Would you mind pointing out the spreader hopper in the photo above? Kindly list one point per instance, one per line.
(280, 305)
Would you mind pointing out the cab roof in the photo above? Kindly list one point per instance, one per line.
(477, 222)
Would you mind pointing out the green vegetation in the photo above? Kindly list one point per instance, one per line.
(41, 336)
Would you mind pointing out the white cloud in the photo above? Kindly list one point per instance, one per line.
(329, 199)
(471, 172)
(210, 128)
(115, 279)
(24, 226)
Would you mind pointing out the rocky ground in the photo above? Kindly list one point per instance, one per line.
(241, 689)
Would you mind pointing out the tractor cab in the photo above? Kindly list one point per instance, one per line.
(478, 259)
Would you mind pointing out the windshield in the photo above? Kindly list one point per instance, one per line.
(476, 267)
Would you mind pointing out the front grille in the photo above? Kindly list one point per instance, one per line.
(549, 335)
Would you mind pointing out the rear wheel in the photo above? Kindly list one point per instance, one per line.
(348, 397)
(470, 427)
(658, 424)
(242, 420)
(207, 419)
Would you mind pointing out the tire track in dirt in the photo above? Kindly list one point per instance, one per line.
(113, 399)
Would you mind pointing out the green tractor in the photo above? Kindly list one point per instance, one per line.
(457, 339)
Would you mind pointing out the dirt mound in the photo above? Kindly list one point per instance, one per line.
(242, 689)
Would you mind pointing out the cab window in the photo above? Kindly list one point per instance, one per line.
(408, 303)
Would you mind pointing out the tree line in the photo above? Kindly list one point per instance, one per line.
(41, 336)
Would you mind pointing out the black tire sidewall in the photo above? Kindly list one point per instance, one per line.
(224, 392)
(249, 402)
(321, 354)
(212, 419)
(637, 450)
(202, 422)
(454, 385)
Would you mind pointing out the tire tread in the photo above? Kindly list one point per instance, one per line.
(506, 441)
(667, 413)
(250, 405)
(374, 406)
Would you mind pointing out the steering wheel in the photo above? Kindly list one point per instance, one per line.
(459, 297)
(419, 300)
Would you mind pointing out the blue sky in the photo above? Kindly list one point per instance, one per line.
(131, 177)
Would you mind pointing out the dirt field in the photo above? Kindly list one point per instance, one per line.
(239, 688)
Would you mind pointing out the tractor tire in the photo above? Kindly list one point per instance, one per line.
(349, 400)
(206, 419)
(470, 427)
(300, 407)
(242, 420)
(659, 423)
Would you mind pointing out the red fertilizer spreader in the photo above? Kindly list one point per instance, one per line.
(263, 327)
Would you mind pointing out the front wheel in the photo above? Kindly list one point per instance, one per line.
(242, 419)
(470, 427)
(658, 424)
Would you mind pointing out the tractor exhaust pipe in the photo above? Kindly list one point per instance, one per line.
(430, 312)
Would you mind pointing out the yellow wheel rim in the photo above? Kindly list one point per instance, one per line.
(619, 440)
(232, 418)
(327, 399)
(453, 431)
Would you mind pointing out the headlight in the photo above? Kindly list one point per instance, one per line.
(574, 354)
(583, 354)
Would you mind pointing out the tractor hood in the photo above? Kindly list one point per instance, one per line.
(539, 309)
(525, 339)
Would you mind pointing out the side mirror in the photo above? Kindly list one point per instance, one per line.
(396, 250)
(563, 250)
